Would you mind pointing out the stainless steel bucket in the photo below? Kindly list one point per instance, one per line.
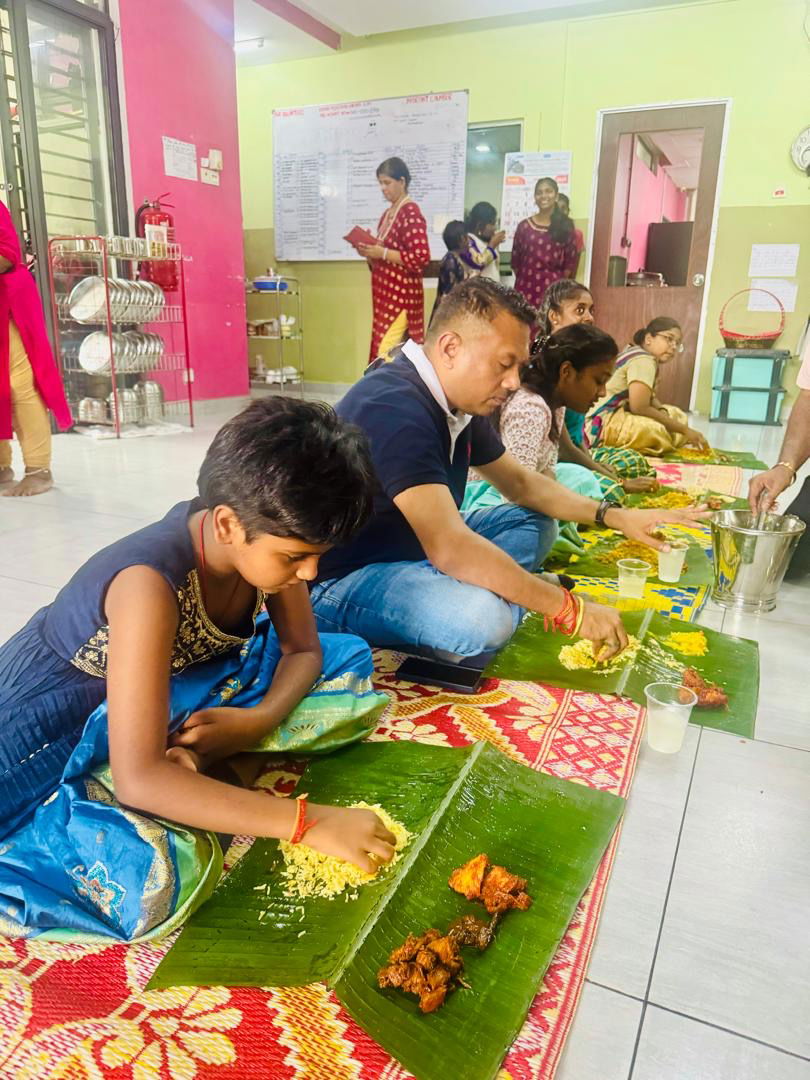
(750, 562)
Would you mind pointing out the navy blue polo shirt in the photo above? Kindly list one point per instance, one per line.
(410, 445)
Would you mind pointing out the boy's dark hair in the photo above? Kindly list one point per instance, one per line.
(655, 326)
(481, 298)
(483, 213)
(396, 168)
(453, 235)
(555, 294)
(290, 468)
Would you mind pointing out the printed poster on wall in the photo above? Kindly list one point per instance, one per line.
(521, 171)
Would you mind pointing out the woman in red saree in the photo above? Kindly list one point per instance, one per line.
(397, 261)
(29, 378)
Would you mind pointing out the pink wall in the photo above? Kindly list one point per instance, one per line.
(653, 197)
(179, 76)
(674, 202)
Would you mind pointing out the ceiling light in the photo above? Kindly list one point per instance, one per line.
(483, 148)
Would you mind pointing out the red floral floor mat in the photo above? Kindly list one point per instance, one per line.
(80, 1012)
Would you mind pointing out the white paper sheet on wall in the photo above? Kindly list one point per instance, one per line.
(179, 158)
(785, 291)
(773, 260)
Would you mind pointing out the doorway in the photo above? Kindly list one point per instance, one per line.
(61, 155)
(487, 147)
(653, 225)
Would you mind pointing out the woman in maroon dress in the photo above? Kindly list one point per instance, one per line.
(544, 248)
(397, 261)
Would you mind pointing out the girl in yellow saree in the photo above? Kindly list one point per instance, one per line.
(630, 415)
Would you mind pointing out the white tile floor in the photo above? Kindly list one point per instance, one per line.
(701, 970)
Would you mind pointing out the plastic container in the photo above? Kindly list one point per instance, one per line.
(633, 574)
(751, 557)
(270, 284)
(669, 707)
(670, 563)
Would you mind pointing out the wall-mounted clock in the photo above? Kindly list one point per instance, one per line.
(800, 151)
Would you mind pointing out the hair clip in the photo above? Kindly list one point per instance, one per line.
(539, 344)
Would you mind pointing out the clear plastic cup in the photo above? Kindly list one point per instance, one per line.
(669, 707)
(632, 575)
(670, 563)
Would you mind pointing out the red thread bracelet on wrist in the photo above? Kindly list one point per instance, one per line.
(567, 619)
(302, 826)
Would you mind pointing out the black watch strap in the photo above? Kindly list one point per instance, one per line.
(602, 509)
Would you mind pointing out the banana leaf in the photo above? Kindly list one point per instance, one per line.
(642, 499)
(697, 570)
(458, 802)
(731, 662)
(742, 459)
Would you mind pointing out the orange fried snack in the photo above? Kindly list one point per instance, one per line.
(469, 878)
(503, 891)
(497, 888)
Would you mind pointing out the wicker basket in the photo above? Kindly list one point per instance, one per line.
(764, 339)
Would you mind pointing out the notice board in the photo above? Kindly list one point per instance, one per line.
(324, 168)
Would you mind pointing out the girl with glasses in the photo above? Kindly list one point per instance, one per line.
(630, 415)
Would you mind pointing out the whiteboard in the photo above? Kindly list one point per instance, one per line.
(324, 168)
(521, 171)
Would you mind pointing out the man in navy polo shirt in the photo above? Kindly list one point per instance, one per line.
(421, 574)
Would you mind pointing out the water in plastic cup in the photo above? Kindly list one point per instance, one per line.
(669, 707)
(670, 563)
(632, 575)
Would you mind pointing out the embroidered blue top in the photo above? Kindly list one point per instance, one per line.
(74, 625)
(53, 671)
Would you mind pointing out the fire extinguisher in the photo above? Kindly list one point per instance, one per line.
(153, 213)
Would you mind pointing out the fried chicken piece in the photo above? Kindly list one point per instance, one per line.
(407, 950)
(440, 976)
(467, 930)
(503, 891)
(431, 1000)
(447, 952)
(469, 878)
(713, 698)
(427, 966)
(393, 975)
(709, 695)
(415, 983)
(427, 959)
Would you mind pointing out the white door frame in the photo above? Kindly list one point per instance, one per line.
(601, 113)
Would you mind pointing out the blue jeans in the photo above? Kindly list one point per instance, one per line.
(412, 605)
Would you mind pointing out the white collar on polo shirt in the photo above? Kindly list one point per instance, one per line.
(456, 421)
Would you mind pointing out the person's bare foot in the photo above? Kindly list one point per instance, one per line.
(35, 482)
(185, 758)
(6, 476)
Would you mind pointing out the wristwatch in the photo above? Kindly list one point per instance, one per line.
(602, 509)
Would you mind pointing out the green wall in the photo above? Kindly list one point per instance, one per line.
(554, 76)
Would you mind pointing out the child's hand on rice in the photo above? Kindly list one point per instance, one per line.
(358, 836)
